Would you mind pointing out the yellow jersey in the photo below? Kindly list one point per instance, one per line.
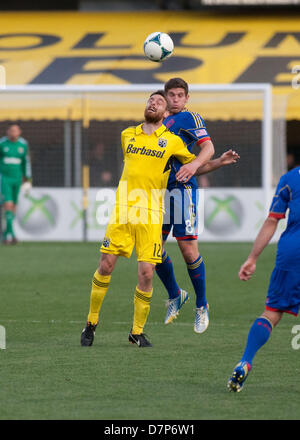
(147, 166)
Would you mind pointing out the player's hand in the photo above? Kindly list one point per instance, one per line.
(247, 270)
(26, 187)
(229, 157)
(186, 172)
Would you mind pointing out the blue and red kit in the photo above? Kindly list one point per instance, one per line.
(181, 212)
(284, 288)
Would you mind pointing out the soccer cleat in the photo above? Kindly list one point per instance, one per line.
(201, 319)
(87, 335)
(174, 305)
(139, 340)
(238, 377)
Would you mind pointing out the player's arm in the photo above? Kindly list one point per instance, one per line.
(264, 236)
(26, 165)
(227, 158)
(1, 148)
(26, 171)
(182, 153)
(187, 171)
(277, 212)
(196, 130)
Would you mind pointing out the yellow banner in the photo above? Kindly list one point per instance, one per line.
(107, 48)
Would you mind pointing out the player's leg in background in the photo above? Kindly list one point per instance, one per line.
(283, 284)
(9, 215)
(16, 186)
(186, 233)
(9, 209)
(258, 335)
(195, 268)
(177, 296)
(165, 272)
(165, 269)
(196, 271)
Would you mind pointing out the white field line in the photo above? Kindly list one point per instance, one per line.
(55, 321)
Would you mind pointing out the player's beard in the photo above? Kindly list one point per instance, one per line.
(151, 117)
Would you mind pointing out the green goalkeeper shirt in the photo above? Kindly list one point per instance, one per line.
(14, 159)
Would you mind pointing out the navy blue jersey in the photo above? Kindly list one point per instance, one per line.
(190, 127)
(287, 196)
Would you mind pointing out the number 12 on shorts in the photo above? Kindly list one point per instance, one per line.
(157, 250)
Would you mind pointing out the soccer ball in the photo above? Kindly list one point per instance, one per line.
(158, 46)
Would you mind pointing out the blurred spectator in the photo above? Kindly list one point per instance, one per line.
(291, 161)
(101, 166)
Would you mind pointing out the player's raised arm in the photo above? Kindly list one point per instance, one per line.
(188, 170)
(227, 158)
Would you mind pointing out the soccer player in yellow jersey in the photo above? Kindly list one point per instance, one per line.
(137, 216)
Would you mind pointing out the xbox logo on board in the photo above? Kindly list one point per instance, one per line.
(223, 214)
(37, 213)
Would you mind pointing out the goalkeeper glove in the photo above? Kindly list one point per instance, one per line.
(26, 187)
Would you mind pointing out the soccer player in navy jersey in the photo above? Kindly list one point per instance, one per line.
(284, 287)
(190, 127)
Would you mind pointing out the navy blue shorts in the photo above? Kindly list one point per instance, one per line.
(284, 291)
(181, 213)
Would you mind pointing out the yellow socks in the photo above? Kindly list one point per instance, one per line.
(141, 310)
(142, 301)
(100, 286)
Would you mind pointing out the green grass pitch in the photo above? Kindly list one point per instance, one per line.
(46, 374)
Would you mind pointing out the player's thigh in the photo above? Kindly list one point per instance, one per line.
(149, 240)
(6, 190)
(119, 237)
(284, 292)
(16, 191)
(168, 217)
(186, 213)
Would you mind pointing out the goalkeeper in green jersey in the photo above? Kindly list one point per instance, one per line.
(15, 170)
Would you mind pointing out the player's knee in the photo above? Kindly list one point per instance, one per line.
(106, 265)
(189, 255)
(9, 206)
(146, 273)
(273, 316)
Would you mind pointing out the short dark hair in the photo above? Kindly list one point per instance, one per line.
(12, 124)
(159, 92)
(177, 83)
